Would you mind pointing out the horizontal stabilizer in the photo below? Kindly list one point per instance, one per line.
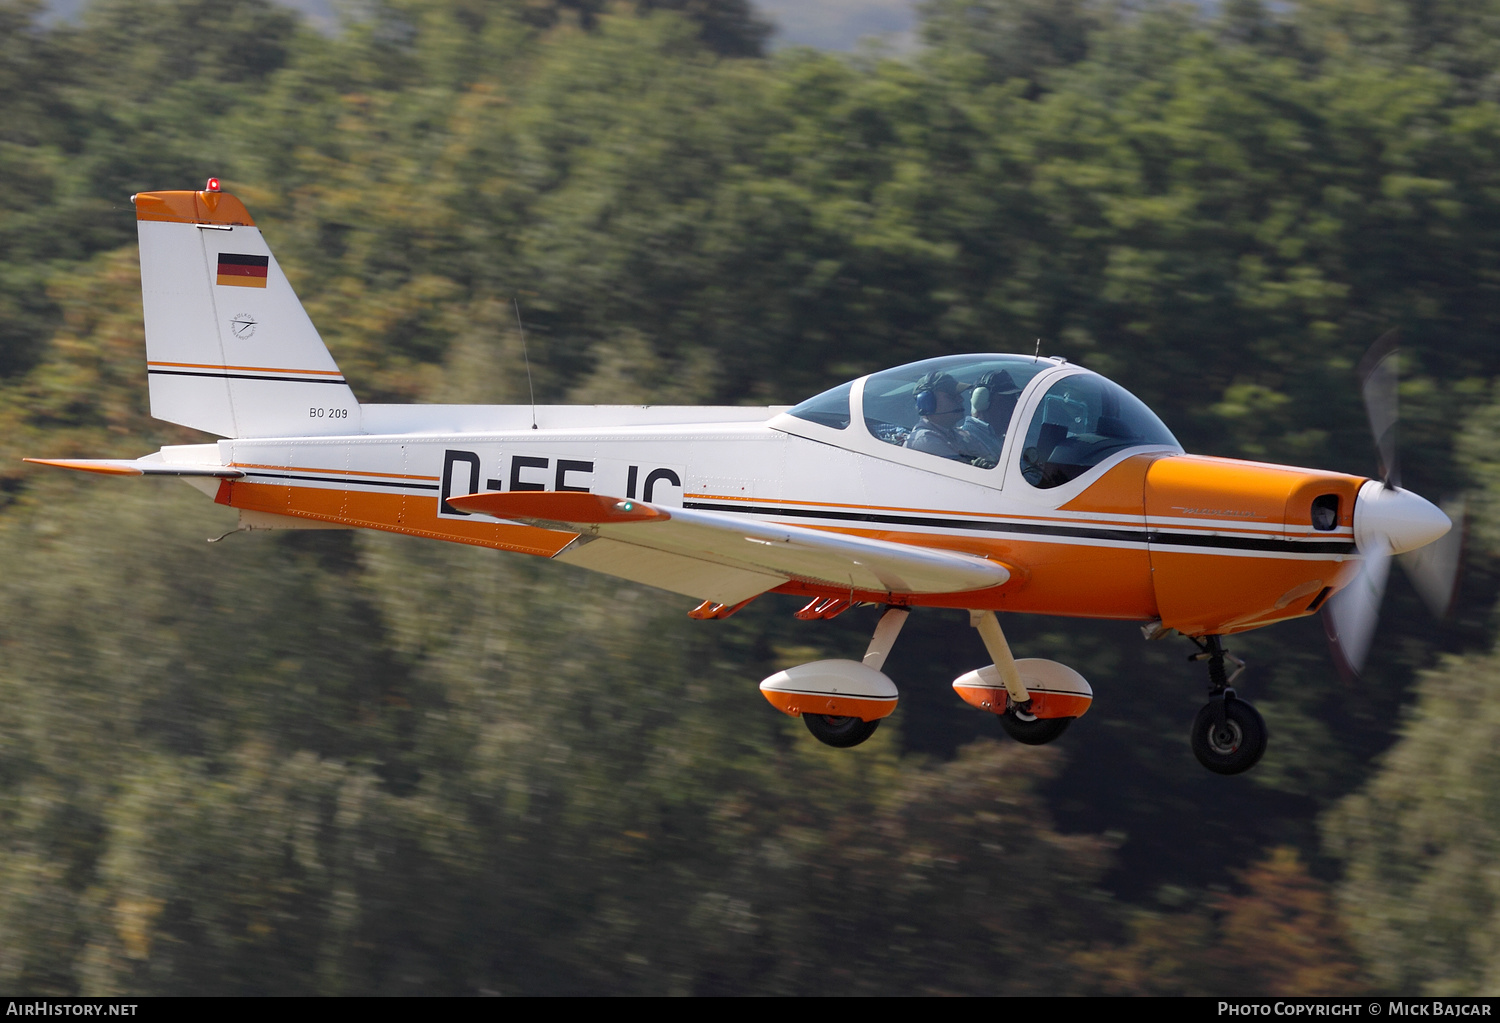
(761, 553)
(137, 467)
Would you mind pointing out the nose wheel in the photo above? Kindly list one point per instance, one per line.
(1229, 735)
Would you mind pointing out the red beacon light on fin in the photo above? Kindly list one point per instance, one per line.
(212, 186)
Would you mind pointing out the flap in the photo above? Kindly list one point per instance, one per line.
(778, 551)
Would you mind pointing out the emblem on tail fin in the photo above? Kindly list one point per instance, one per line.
(242, 325)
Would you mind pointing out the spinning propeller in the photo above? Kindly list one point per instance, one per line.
(1391, 522)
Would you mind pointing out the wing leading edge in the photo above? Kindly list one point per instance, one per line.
(726, 558)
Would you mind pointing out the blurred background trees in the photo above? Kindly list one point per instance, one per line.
(359, 763)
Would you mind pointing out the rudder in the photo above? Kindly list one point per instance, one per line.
(229, 348)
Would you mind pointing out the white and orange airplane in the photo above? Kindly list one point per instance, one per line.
(991, 483)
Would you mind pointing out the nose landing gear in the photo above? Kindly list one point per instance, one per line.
(1229, 735)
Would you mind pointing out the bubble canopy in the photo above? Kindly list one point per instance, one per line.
(963, 408)
(1082, 420)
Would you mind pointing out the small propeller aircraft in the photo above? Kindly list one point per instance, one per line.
(989, 483)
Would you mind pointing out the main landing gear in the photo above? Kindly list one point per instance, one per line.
(1035, 699)
(840, 731)
(842, 702)
(1025, 727)
(1229, 736)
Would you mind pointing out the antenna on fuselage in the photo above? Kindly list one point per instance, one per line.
(529, 385)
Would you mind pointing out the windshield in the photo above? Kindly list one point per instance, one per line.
(1081, 421)
(958, 407)
(831, 408)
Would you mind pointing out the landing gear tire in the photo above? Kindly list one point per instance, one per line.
(1032, 731)
(839, 732)
(1234, 746)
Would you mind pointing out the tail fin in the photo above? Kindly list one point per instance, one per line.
(229, 349)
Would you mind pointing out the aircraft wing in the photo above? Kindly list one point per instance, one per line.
(729, 558)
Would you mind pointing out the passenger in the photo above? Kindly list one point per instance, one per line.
(940, 410)
(992, 400)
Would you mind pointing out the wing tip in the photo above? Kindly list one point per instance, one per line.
(108, 467)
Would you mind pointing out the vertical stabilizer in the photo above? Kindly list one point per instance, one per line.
(229, 348)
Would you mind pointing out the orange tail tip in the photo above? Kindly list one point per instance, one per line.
(192, 208)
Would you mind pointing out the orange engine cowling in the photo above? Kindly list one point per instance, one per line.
(1236, 545)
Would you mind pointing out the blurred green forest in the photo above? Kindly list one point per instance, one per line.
(331, 762)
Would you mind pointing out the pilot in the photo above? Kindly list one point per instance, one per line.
(940, 410)
(992, 400)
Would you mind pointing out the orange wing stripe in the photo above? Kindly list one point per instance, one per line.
(248, 369)
(1209, 525)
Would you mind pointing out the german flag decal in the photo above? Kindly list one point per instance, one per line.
(243, 271)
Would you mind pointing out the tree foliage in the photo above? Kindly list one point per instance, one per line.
(1280, 934)
(1420, 841)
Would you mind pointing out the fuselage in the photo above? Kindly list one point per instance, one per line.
(1068, 480)
(1205, 545)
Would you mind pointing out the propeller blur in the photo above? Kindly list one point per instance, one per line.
(1389, 521)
